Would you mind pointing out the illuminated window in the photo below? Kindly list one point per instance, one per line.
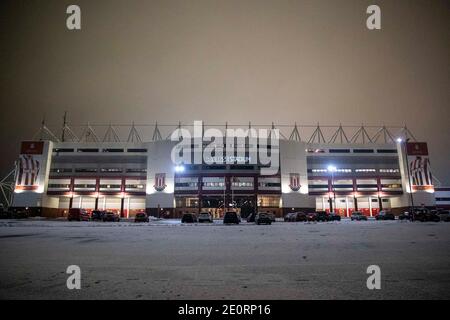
(365, 170)
(389, 170)
(269, 201)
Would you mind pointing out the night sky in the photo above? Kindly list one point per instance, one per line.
(228, 60)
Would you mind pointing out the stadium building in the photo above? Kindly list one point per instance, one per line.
(370, 169)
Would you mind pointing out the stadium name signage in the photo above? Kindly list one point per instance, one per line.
(263, 147)
(230, 159)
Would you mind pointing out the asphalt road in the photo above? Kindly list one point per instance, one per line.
(167, 260)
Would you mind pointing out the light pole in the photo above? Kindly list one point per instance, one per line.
(332, 169)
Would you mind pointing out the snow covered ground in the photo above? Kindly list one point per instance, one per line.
(167, 260)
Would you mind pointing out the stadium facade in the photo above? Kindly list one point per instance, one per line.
(366, 171)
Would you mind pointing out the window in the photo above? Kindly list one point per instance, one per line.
(139, 186)
(84, 186)
(242, 184)
(241, 167)
(365, 170)
(186, 185)
(85, 170)
(212, 167)
(60, 170)
(87, 150)
(110, 186)
(63, 150)
(58, 186)
(268, 201)
(111, 170)
(441, 199)
(387, 150)
(137, 170)
(344, 170)
(318, 186)
(318, 170)
(270, 184)
(339, 150)
(213, 184)
(112, 150)
(389, 170)
(362, 150)
(315, 150)
(137, 150)
(182, 202)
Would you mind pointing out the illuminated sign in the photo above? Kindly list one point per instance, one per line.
(29, 166)
(419, 166)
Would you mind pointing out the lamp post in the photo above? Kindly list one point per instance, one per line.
(332, 169)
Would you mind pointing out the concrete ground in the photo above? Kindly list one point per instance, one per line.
(167, 260)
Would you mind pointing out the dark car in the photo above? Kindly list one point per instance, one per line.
(334, 216)
(424, 215)
(385, 215)
(358, 216)
(263, 218)
(111, 217)
(188, 218)
(272, 216)
(5, 214)
(77, 214)
(251, 217)
(312, 216)
(322, 216)
(299, 216)
(231, 217)
(85, 216)
(20, 214)
(444, 215)
(404, 216)
(141, 217)
(288, 217)
(97, 215)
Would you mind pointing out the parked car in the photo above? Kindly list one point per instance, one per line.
(188, 218)
(111, 217)
(358, 216)
(444, 215)
(271, 216)
(205, 217)
(424, 215)
(141, 217)
(97, 215)
(251, 217)
(288, 217)
(231, 217)
(85, 216)
(322, 216)
(385, 215)
(263, 218)
(334, 216)
(77, 214)
(404, 216)
(312, 216)
(20, 214)
(298, 216)
(5, 214)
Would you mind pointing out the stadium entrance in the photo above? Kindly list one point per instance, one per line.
(243, 204)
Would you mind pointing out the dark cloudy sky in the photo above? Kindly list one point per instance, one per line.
(227, 60)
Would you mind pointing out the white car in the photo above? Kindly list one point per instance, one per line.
(205, 217)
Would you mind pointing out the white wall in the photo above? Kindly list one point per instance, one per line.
(159, 161)
(293, 160)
